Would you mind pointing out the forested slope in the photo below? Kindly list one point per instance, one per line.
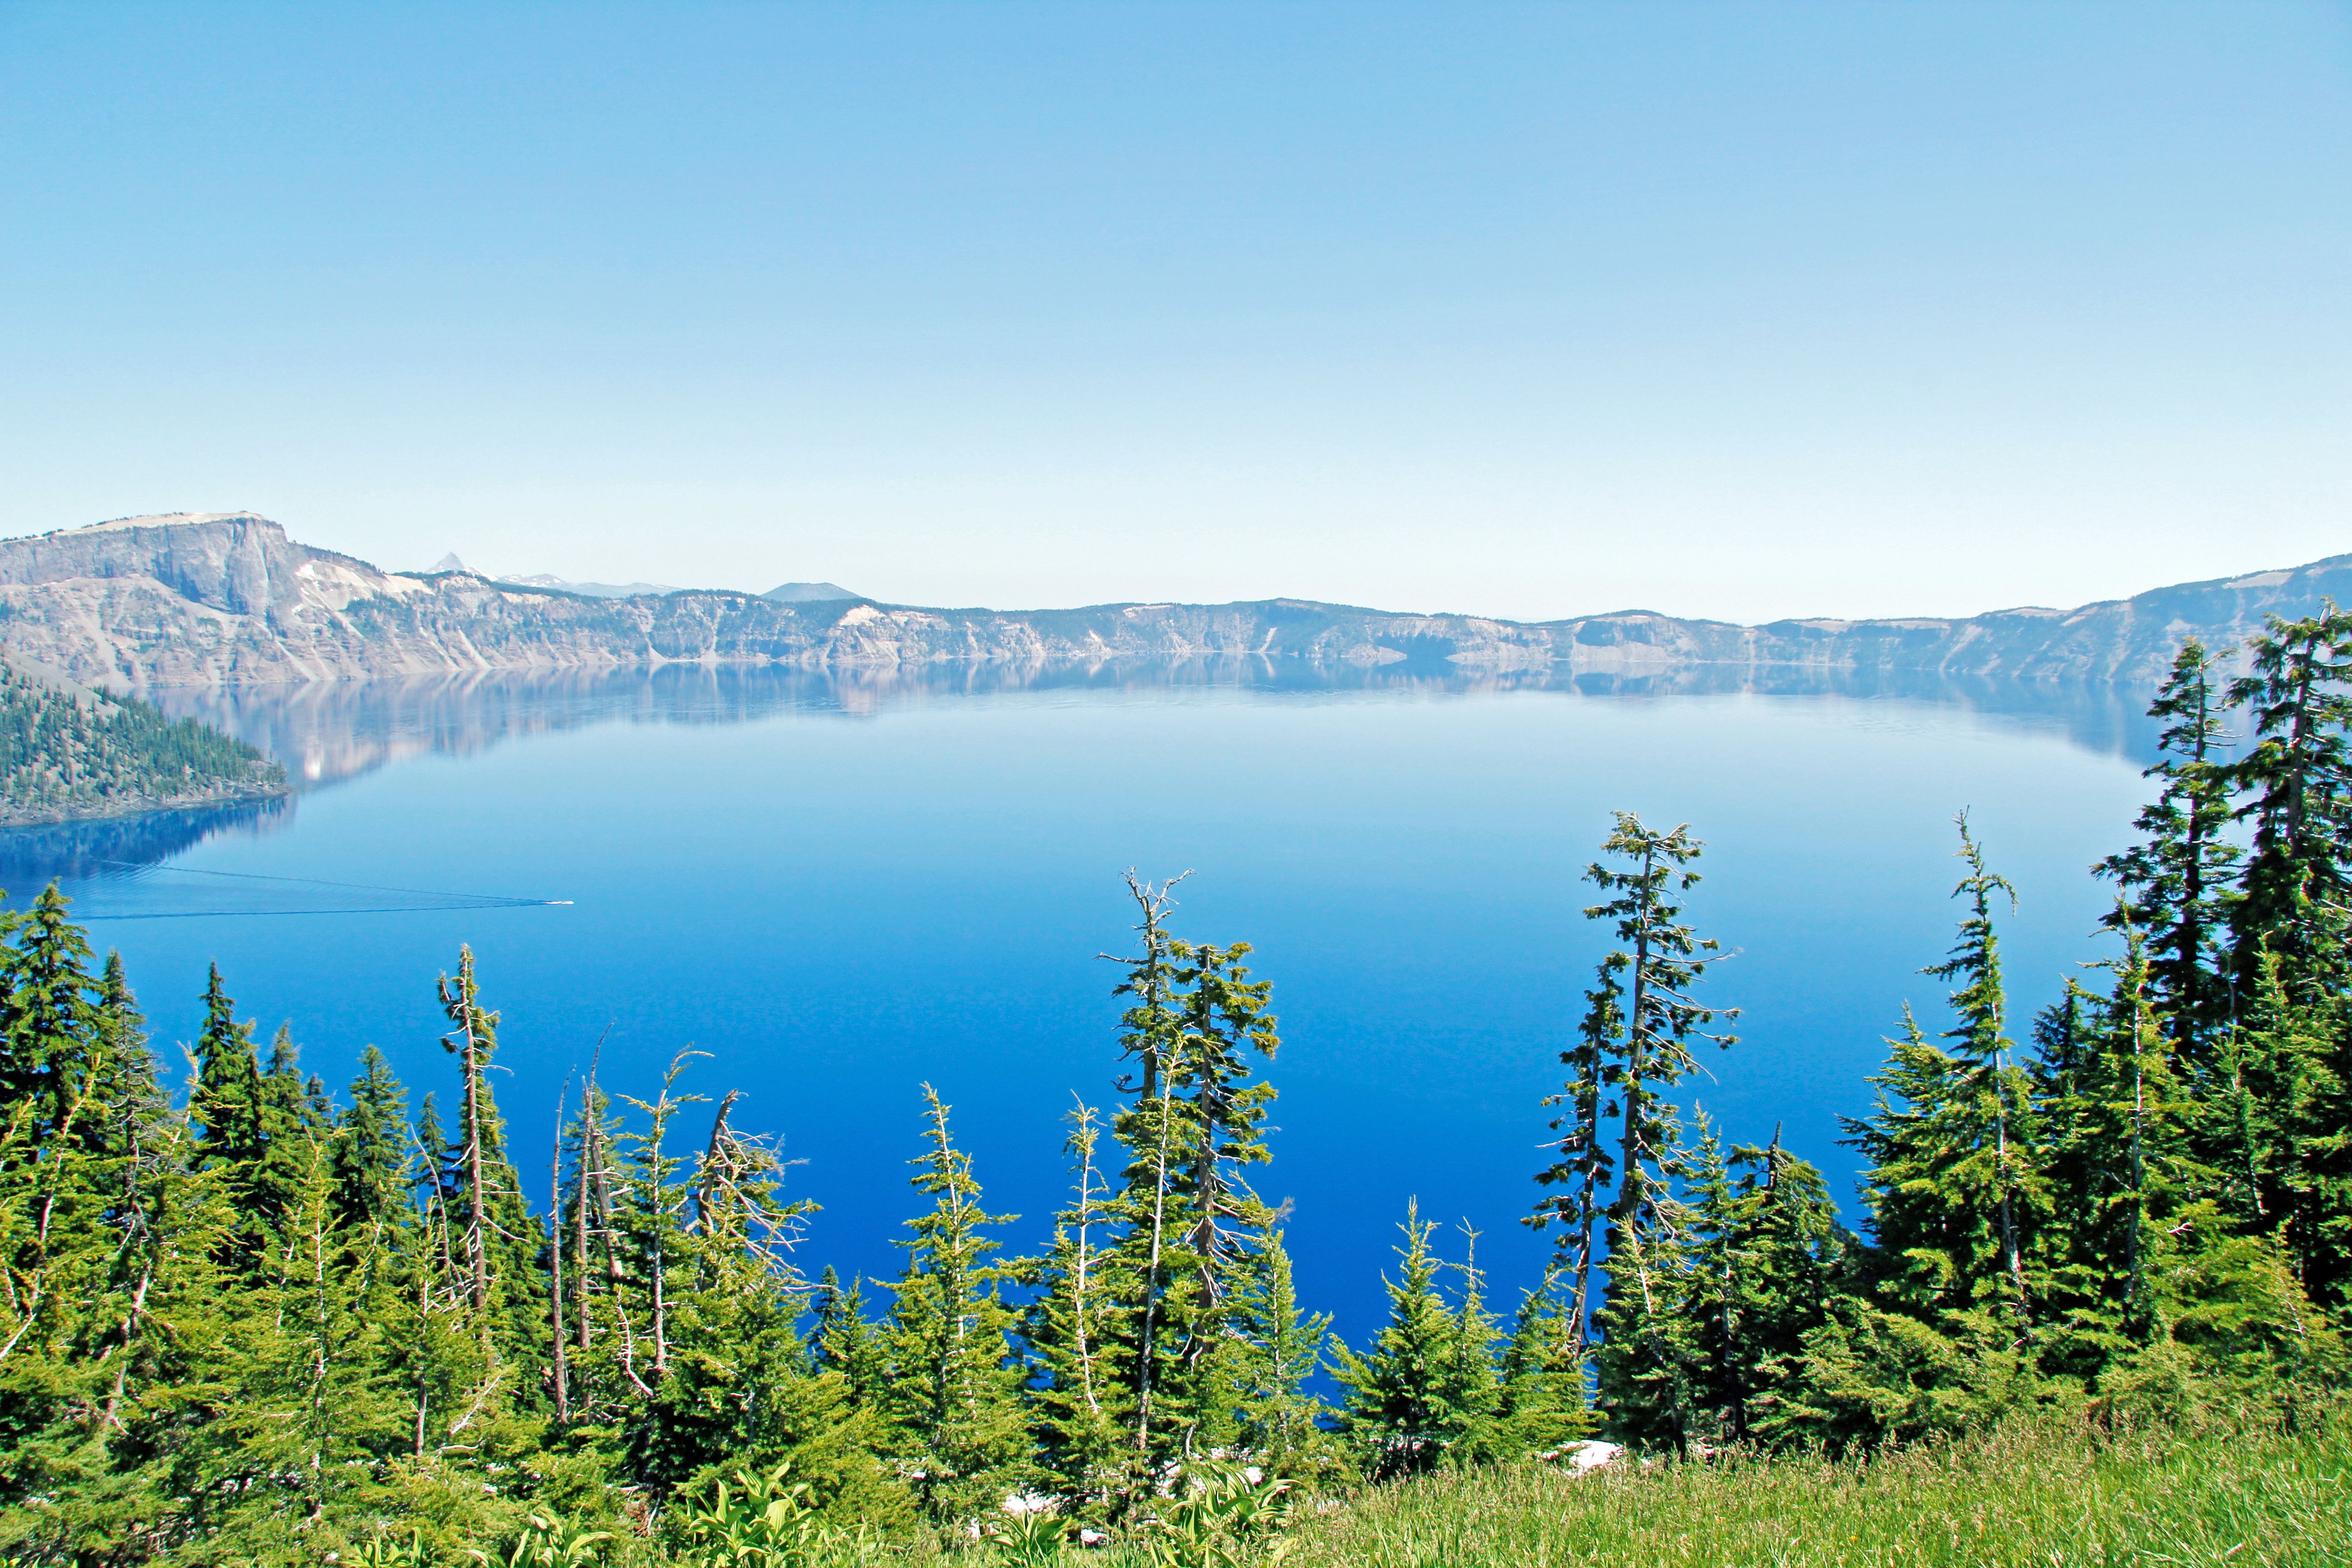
(65, 752)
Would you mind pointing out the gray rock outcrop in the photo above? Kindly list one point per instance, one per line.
(204, 599)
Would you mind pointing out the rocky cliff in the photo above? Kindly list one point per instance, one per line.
(203, 599)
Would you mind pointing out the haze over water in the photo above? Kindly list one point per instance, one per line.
(841, 891)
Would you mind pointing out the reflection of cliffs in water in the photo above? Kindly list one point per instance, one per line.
(31, 858)
(338, 730)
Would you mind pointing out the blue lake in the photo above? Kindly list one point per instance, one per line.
(843, 889)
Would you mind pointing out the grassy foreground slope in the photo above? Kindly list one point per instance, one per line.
(2031, 1493)
(2050, 1491)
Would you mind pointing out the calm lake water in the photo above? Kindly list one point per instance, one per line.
(843, 889)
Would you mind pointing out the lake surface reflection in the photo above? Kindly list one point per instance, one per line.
(843, 887)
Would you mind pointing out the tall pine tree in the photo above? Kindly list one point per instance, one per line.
(2297, 778)
(954, 1389)
(2177, 883)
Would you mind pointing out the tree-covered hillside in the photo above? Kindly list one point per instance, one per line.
(248, 1323)
(66, 753)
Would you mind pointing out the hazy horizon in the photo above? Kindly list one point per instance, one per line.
(504, 571)
(1728, 311)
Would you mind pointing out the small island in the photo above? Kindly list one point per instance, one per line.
(69, 752)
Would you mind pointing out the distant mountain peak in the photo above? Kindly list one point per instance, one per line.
(591, 590)
(808, 592)
(450, 562)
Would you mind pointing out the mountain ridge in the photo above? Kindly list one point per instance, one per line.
(199, 599)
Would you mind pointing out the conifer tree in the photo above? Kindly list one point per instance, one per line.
(560, 1322)
(140, 1140)
(1793, 1260)
(1541, 1404)
(493, 1238)
(1717, 1289)
(1583, 1166)
(1156, 1131)
(609, 1359)
(2273, 1126)
(472, 1339)
(1649, 1362)
(228, 1101)
(1281, 1420)
(652, 1219)
(1656, 977)
(2289, 1069)
(1636, 1046)
(2167, 1282)
(1411, 1396)
(845, 1341)
(63, 1164)
(111, 1306)
(1999, 1092)
(744, 1228)
(56, 1175)
(126, 1079)
(291, 1125)
(2298, 780)
(51, 1036)
(1467, 1370)
(1953, 1322)
(1752, 1272)
(1083, 1390)
(739, 1382)
(318, 1398)
(2266, 1064)
(370, 1154)
(473, 1176)
(1182, 1264)
(2176, 883)
(1222, 1110)
(954, 1391)
(2116, 1151)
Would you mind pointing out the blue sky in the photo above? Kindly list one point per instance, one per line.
(1741, 311)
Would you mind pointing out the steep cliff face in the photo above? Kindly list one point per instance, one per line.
(202, 599)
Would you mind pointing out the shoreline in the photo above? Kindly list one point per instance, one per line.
(140, 805)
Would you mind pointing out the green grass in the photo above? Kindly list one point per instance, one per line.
(2053, 1492)
(2051, 1495)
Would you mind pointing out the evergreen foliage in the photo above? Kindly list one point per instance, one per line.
(66, 753)
(1084, 1404)
(953, 1389)
(1542, 1405)
(2294, 790)
(240, 1322)
(1414, 1394)
(2177, 883)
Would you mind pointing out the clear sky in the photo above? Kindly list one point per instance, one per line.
(1740, 311)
